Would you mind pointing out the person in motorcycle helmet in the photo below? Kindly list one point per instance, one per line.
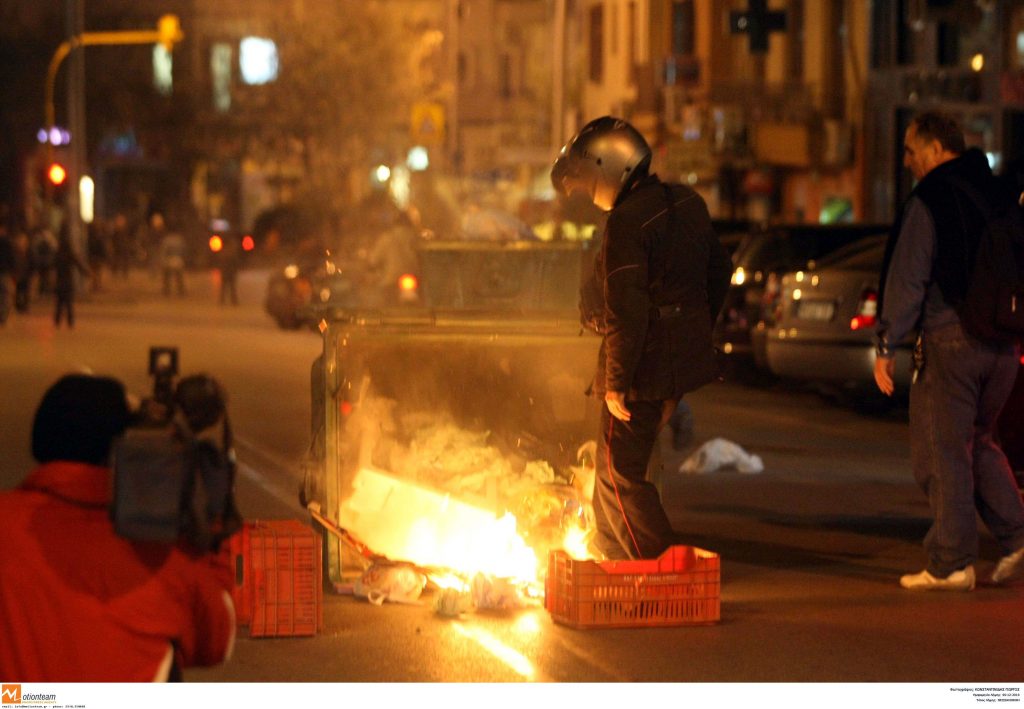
(659, 281)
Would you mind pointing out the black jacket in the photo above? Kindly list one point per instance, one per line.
(651, 263)
(958, 221)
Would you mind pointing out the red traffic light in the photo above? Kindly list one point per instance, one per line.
(247, 243)
(56, 174)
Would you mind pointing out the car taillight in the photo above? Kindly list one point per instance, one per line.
(408, 288)
(408, 283)
(867, 310)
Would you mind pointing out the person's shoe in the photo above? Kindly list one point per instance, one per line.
(1009, 566)
(962, 580)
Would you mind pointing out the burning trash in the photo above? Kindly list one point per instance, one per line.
(449, 507)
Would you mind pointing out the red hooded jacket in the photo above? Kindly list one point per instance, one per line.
(78, 603)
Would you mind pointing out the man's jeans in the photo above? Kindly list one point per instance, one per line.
(954, 405)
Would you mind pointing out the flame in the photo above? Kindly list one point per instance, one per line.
(576, 544)
(461, 511)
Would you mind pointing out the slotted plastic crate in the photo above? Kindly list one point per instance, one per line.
(681, 587)
(278, 590)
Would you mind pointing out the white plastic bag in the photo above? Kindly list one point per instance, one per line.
(398, 583)
(493, 593)
(451, 602)
(720, 453)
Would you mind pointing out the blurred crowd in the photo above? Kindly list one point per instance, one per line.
(30, 258)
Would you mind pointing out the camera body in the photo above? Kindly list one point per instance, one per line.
(174, 469)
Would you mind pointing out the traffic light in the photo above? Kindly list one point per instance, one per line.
(56, 174)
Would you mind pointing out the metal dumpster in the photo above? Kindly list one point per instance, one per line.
(495, 347)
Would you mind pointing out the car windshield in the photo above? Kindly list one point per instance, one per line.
(785, 248)
(863, 255)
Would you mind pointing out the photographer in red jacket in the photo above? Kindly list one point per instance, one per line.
(77, 602)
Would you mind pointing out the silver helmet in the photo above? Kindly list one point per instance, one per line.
(603, 160)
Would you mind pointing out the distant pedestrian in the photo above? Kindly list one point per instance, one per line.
(98, 250)
(22, 271)
(229, 260)
(149, 238)
(44, 246)
(172, 261)
(66, 262)
(121, 246)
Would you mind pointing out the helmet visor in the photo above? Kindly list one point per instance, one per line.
(571, 174)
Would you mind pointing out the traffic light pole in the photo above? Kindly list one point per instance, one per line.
(168, 35)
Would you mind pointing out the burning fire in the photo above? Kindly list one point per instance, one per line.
(472, 534)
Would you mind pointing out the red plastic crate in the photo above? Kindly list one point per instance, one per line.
(279, 591)
(681, 587)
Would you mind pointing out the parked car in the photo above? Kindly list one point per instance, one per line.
(732, 232)
(822, 329)
(759, 261)
(293, 289)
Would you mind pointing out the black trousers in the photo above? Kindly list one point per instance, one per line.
(631, 523)
(65, 304)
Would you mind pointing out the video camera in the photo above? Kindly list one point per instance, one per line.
(174, 468)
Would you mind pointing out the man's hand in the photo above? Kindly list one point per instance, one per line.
(884, 368)
(616, 403)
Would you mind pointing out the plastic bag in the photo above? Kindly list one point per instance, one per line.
(720, 453)
(492, 593)
(451, 603)
(398, 583)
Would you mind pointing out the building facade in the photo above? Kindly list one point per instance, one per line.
(965, 58)
(757, 104)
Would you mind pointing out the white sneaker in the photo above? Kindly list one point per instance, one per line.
(962, 580)
(1009, 566)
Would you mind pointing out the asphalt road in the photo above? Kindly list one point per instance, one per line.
(811, 548)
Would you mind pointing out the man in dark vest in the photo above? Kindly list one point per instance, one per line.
(659, 281)
(960, 383)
